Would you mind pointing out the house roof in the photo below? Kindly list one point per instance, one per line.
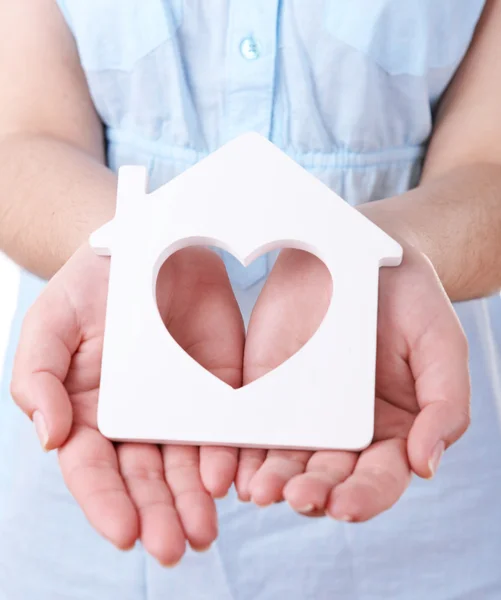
(251, 185)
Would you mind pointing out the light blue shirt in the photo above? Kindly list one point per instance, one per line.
(348, 89)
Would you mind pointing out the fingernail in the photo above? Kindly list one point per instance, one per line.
(308, 508)
(219, 496)
(41, 428)
(204, 549)
(260, 504)
(345, 518)
(170, 565)
(436, 456)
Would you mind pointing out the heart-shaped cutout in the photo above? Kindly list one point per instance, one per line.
(203, 314)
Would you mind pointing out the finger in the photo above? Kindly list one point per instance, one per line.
(309, 492)
(437, 426)
(439, 362)
(162, 535)
(280, 466)
(218, 467)
(380, 477)
(49, 337)
(90, 469)
(194, 505)
(249, 462)
(204, 318)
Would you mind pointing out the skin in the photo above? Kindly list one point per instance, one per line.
(449, 226)
(130, 491)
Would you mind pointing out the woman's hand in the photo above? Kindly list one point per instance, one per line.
(422, 389)
(129, 490)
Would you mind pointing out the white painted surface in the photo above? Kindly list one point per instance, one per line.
(323, 396)
(9, 280)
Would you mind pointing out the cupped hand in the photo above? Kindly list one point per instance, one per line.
(162, 495)
(422, 389)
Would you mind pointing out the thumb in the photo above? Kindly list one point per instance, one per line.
(289, 310)
(201, 313)
(49, 337)
(439, 363)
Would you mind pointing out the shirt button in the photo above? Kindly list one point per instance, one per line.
(249, 48)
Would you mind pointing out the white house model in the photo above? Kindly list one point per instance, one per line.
(151, 390)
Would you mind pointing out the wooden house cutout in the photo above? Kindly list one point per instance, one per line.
(248, 198)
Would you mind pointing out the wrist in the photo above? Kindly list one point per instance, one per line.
(394, 218)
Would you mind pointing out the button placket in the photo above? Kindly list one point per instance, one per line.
(250, 67)
(248, 100)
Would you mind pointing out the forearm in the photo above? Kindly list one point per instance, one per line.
(454, 215)
(54, 187)
(52, 196)
(455, 219)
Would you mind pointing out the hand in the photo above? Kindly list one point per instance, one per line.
(130, 490)
(422, 389)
